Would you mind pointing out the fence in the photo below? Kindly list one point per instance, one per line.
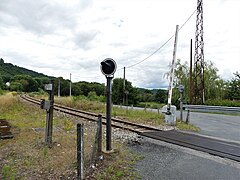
(81, 148)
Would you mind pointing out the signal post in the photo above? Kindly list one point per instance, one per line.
(48, 106)
(108, 68)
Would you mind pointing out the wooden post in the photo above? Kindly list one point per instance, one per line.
(99, 133)
(97, 146)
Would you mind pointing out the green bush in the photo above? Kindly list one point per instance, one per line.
(8, 173)
(228, 103)
(92, 96)
(153, 105)
(80, 97)
(1, 92)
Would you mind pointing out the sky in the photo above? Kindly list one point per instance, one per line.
(60, 37)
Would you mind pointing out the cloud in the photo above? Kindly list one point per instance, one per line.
(59, 37)
(84, 39)
(40, 17)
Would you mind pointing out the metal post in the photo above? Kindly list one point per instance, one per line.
(80, 151)
(188, 118)
(181, 106)
(47, 128)
(49, 123)
(108, 115)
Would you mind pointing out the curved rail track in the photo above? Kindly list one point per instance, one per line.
(212, 146)
(117, 123)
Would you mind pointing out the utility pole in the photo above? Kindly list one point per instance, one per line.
(124, 95)
(190, 79)
(59, 86)
(70, 89)
(199, 57)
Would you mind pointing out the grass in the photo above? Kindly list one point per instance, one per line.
(138, 116)
(187, 127)
(122, 165)
(153, 105)
(8, 173)
(26, 156)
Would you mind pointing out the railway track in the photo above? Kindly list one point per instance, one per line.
(117, 123)
(212, 146)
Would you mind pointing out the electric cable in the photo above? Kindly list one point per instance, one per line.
(146, 58)
(162, 44)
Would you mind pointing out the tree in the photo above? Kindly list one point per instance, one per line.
(117, 92)
(1, 83)
(27, 82)
(161, 96)
(233, 88)
(76, 90)
(214, 85)
(211, 79)
(98, 88)
(41, 81)
(85, 88)
(16, 86)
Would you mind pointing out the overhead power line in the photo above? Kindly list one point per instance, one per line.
(154, 52)
(162, 44)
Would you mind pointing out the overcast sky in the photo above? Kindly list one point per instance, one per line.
(59, 37)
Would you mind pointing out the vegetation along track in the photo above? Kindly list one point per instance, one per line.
(212, 146)
(117, 123)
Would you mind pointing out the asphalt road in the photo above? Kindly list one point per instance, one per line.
(166, 161)
(214, 125)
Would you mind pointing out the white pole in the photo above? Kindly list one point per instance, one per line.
(59, 86)
(172, 72)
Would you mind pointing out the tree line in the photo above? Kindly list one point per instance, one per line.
(217, 90)
(19, 79)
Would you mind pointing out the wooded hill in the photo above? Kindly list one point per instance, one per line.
(10, 70)
(25, 80)
(217, 91)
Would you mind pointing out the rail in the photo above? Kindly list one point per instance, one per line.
(212, 146)
(117, 123)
